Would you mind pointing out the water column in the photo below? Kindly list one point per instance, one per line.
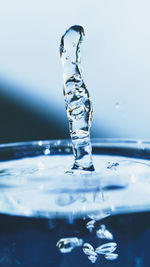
(78, 104)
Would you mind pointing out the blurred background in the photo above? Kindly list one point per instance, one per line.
(115, 64)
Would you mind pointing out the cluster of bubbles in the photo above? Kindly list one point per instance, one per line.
(106, 249)
(66, 245)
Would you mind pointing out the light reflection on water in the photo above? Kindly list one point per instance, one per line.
(39, 187)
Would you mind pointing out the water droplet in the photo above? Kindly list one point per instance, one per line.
(112, 165)
(117, 105)
(78, 103)
(40, 143)
(68, 150)
(106, 248)
(90, 225)
(93, 257)
(87, 248)
(46, 151)
(111, 256)
(103, 233)
(66, 245)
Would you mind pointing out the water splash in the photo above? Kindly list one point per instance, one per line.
(78, 104)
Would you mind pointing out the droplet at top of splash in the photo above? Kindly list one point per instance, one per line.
(78, 104)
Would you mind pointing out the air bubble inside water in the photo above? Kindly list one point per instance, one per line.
(66, 245)
(93, 257)
(78, 104)
(90, 225)
(106, 248)
(88, 249)
(111, 256)
(103, 233)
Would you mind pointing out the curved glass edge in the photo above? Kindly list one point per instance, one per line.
(94, 141)
(122, 147)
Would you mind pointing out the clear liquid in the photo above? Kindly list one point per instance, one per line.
(78, 104)
(32, 241)
(100, 218)
(119, 184)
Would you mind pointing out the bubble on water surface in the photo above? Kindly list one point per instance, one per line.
(112, 165)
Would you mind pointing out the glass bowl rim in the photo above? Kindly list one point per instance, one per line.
(135, 148)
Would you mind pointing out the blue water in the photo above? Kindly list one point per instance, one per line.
(32, 242)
